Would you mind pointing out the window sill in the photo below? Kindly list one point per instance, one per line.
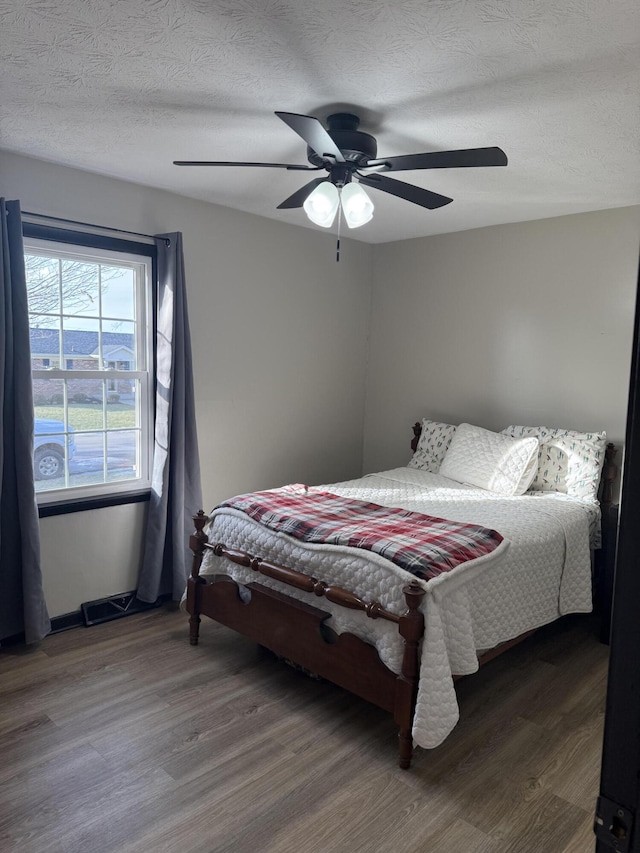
(85, 504)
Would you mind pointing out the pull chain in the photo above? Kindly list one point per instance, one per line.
(338, 238)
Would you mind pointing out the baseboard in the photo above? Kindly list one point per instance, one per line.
(66, 621)
(113, 607)
(58, 624)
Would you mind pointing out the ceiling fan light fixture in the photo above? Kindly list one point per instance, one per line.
(321, 205)
(356, 205)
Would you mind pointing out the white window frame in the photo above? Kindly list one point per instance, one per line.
(143, 374)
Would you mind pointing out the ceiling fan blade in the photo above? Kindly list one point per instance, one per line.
(443, 160)
(230, 163)
(314, 134)
(299, 196)
(409, 192)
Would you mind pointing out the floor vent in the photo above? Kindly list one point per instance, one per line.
(114, 607)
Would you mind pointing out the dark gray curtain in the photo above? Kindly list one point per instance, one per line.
(176, 493)
(22, 604)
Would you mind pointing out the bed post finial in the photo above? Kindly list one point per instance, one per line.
(417, 432)
(609, 474)
(197, 543)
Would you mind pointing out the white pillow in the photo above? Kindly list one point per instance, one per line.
(491, 460)
(433, 443)
(568, 461)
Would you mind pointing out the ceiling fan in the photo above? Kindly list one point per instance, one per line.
(350, 157)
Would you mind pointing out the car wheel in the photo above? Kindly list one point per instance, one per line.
(48, 463)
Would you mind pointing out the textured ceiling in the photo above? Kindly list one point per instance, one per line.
(123, 87)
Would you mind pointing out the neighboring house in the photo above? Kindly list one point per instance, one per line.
(80, 352)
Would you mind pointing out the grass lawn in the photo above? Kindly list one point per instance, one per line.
(89, 415)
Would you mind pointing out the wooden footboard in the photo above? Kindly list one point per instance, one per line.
(298, 631)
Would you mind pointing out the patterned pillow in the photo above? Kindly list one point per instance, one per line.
(491, 460)
(434, 442)
(568, 461)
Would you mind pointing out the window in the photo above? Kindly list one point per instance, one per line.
(90, 310)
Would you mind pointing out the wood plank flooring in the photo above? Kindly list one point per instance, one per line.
(122, 738)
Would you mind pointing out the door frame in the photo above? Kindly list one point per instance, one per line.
(616, 822)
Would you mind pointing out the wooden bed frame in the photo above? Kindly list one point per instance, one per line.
(297, 632)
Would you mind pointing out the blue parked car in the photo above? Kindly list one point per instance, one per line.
(48, 449)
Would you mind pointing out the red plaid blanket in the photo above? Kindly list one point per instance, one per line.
(421, 544)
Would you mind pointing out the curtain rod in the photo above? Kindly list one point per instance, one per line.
(91, 225)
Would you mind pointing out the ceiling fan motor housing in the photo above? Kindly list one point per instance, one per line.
(356, 147)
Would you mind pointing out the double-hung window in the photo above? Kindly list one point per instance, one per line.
(90, 325)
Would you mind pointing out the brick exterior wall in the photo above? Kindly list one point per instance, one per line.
(47, 391)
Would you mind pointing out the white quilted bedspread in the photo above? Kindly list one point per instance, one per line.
(540, 572)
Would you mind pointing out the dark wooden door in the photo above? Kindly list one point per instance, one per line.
(619, 803)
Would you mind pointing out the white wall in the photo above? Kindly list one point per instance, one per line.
(526, 323)
(90, 555)
(279, 334)
(529, 323)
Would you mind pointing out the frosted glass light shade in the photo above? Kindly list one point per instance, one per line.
(357, 206)
(321, 205)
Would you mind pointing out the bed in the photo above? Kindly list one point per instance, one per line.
(394, 636)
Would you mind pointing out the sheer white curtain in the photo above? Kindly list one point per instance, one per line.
(176, 493)
(22, 605)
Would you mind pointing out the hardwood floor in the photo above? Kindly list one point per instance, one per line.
(110, 742)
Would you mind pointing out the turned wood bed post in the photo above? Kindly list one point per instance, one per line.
(417, 432)
(197, 543)
(411, 628)
(609, 474)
